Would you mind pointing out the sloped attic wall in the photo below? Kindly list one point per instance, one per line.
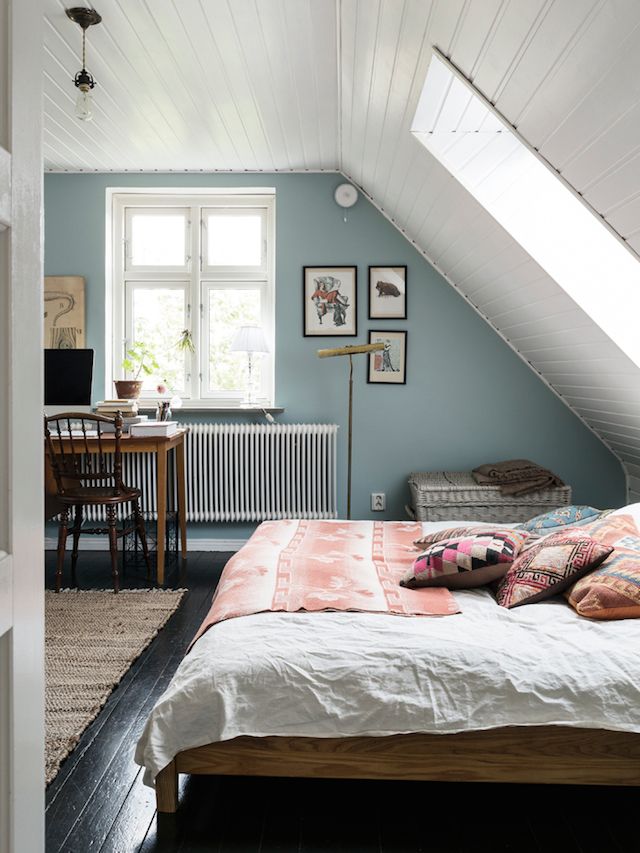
(468, 399)
(562, 74)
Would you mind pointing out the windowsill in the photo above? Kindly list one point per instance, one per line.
(223, 410)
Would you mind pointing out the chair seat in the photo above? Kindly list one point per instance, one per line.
(97, 495)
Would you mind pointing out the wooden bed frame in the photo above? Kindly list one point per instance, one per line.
(537, 754)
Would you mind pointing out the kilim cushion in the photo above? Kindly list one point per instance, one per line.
(612, 591)
(562, 517)
(610, 529)
(549, 567)
(466, 561)
(456, 532)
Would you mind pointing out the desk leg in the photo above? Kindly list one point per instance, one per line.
(161, 503)
(182, 497)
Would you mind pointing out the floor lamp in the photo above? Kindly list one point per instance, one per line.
(350, 351)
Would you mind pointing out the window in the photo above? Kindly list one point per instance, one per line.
(459, 127)
(202, 264)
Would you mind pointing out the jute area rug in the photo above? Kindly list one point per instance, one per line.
(92, 638)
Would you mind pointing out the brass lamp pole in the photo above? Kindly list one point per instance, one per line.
(350, 351)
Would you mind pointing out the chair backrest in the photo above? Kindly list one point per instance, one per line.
(77, 455)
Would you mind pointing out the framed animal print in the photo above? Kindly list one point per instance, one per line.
(329, 301)
(388, 293)
(388, 366)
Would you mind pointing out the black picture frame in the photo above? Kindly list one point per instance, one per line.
(387, 290)
(333, 314)
(392, 361)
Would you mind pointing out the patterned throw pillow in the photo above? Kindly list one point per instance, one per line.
(564, 516)
(609, 529)
(613, 590)
(466, 561)
(549, 567)
(456, 532)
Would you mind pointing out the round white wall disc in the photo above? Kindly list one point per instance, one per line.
(346, 195)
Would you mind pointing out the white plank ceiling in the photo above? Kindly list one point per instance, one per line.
(334, 84)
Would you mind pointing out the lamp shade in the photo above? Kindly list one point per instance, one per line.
(249, 339)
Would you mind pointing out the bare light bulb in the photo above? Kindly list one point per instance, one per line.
(84, 104)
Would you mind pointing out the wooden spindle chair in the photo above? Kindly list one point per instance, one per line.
(87, 475)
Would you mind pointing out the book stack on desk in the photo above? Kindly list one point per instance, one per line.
(127, 423)
(111, 407)
(129, 413)
(156, 429)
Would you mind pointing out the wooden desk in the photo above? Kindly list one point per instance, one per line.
(161, 446)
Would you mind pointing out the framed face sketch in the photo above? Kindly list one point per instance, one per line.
(388, 366)
(329, 300)
(387, 293)
(64, 312)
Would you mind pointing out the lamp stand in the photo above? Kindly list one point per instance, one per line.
(249, 379)
(350, 351)
(350, 438)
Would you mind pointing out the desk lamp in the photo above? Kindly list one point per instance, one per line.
(350, 351)
(249, 339)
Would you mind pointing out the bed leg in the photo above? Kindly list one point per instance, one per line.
(167, 789)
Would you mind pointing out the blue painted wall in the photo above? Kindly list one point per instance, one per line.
(468, 398)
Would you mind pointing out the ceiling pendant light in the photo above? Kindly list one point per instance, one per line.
(83, 81)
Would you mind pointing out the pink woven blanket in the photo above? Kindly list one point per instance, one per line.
(325, 565)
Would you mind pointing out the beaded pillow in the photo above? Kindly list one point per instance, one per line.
(549, 567)
(564, 516)
(466, 561)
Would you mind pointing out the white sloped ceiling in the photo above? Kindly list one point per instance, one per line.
(318, 84)
(563, 74)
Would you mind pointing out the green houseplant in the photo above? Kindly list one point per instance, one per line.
(185, 341)
(140, 360)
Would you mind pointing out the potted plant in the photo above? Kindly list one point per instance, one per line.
(139, 359)
(185, 341)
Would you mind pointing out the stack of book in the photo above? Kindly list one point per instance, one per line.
(129, 408)
(156, 429)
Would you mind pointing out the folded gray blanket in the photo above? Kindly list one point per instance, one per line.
(516, 476)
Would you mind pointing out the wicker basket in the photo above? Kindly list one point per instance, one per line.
(443, 495)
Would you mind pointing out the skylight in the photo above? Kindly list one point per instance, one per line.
(459, 127)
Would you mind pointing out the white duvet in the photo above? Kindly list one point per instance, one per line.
(345, 674)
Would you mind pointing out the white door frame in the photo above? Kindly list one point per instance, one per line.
(21, 435)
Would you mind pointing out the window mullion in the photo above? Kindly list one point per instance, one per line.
(203, 364)
(127, 330)
(195, 323)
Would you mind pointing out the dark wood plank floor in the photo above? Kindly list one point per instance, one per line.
(98, 802)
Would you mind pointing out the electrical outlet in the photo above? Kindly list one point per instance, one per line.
(378, 501)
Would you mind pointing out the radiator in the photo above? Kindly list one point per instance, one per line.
(246, 472)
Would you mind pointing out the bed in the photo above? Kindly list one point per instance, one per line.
(533, 694)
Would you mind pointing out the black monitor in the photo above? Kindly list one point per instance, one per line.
(67, 377)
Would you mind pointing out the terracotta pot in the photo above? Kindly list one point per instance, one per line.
(128, 389)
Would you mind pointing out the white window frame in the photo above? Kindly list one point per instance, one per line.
(262, 392)
(121, 278)
(130, 268)
(218, 271)
(130, 286)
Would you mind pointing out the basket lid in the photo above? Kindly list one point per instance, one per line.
(442, 480)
